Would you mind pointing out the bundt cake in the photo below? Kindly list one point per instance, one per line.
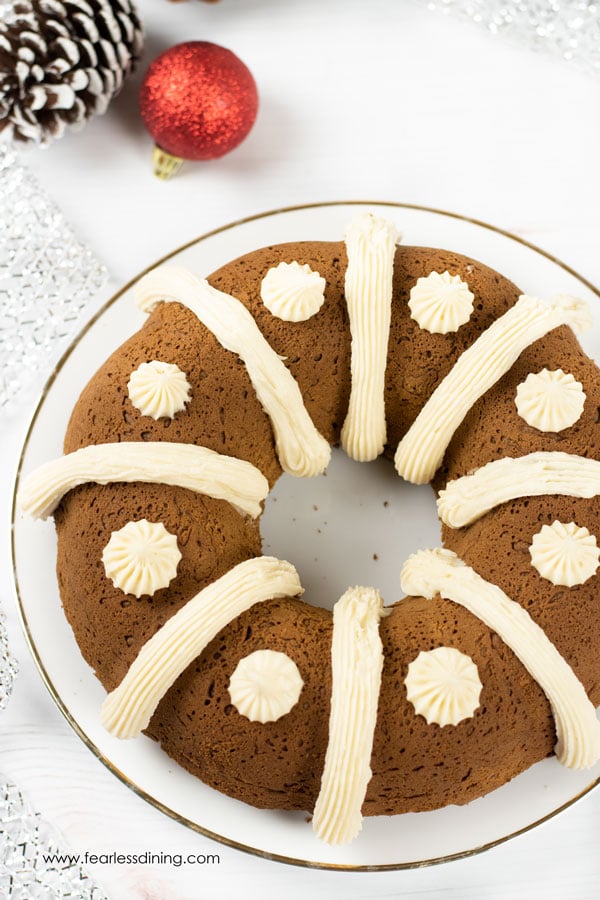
(489, 664)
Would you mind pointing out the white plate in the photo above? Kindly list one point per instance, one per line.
(315, 525)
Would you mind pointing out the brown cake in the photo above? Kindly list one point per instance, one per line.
(510, 606)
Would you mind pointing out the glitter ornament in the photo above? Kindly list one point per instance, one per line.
(198, 101)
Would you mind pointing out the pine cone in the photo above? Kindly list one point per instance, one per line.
(62, 61)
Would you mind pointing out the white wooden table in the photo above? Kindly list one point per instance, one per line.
(379, 100)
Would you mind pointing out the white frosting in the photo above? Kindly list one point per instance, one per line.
(301, 449)
(443, 685)
(293, 292)
(422, 449)
(128, 709)
(564, 553)
(441, 303)
(550, 400)
(158, 462)
(371, 247)
(466, 499)
(265, 686)
(578, 312)
(432, 572)
(141, 558)
(158, 389)
(357, 664)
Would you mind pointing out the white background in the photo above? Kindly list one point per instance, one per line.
(378, 100)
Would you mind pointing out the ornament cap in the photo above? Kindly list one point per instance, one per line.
(165, 164)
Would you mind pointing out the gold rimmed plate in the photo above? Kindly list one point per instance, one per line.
(334, 536)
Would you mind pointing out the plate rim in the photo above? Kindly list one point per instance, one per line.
(46, 678)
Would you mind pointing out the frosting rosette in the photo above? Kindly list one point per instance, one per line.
(443, 685)
(293, 292)
(265, 686)
(158, 389)
(440, 302)
(141, 558)
(550, 400)
(564, 553)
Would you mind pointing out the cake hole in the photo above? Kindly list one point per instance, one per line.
(355, 525)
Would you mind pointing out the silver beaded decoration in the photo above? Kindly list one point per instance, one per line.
(34, 862)
(46, 278)
(8, 667)
(566, 28)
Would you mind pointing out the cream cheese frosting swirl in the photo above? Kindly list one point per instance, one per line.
(421, 450)
(431, 572)
(564, 553)
(302, 451)
(158, 389)
(550, 400)
(466, 499)
(441, 303)
(293, 292)
(265, 686)
(357, 665)
(128, 709)
(155, 462)
(371, 248)
(443, 685)
(141, 558)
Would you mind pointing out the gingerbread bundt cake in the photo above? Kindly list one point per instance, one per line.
(489, 664)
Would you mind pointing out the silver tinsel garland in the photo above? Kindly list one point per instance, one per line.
(34, 862)
(8, 667)
(569, 29)
(47, 278)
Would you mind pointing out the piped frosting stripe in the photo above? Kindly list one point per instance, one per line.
(371, 246)
(159, 462)
(357, 664)
(128, 709)
(421, 450)
(302, 451)
(432, 572)
(466, 499)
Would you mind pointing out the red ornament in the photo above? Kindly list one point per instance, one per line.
(198, 101)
